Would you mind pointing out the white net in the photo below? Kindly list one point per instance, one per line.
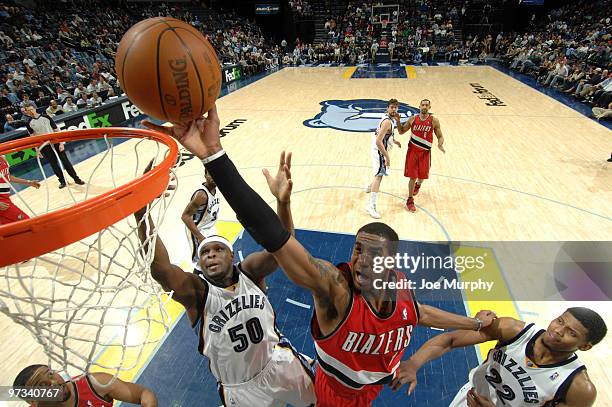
(92, 305)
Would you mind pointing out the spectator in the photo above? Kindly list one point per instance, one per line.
(95, 100)
(11, 124)
(83, 102)
(69, 106)
(54, 109)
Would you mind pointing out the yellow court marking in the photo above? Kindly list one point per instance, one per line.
(138, 357)
(411, 72)
(499, 299)
(349, 72)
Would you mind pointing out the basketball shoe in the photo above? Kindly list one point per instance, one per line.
(410, 204)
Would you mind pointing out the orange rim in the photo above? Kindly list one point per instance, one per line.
(26, 239)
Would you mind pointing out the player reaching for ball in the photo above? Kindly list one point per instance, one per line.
(360, 332)
(418, 156)
(529, 366)
(232, 317)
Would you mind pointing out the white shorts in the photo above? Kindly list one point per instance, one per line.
(288, 378)
(378, 164)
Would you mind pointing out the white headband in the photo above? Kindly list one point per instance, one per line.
(215, 238)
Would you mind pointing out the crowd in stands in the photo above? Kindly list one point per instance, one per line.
(570, 50)
(301, 7)
(418, 31)
(60, 56)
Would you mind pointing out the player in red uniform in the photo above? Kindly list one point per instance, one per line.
(418, 156)
(361, 330)
(9, 212)
(90, 390)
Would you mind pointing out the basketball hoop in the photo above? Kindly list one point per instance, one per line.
(384, 24)
(76, 274)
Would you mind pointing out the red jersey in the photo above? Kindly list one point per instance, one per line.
(5, 186)
(422, 132)
(365, 349)
(86, 396)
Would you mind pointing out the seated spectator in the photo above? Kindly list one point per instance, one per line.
(54, 109)
(83, 101)
(12, 124)
(79, 89)
(95, 100)
(69, 106)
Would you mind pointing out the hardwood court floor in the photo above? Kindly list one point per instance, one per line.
(532, 170)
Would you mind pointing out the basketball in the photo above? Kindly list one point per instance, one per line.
(168, 69)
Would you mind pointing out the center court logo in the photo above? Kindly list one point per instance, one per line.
(361, 115)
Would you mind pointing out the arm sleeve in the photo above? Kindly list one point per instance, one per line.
(252, 211)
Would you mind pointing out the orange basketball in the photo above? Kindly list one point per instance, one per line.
(168, 69)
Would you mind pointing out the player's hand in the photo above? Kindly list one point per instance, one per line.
(406, 374)
(199, 136)
(476, 400)
(397, 143)
(3, 206)
(62, 146)
(387, 161)
(486, 317)
(441, 146)
(35, 184)
(281, 185)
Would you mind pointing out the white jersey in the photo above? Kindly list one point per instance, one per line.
(509, 378)
(237, 330)
(388, 138)
(206, 215)
(378, 162)
(205, 219)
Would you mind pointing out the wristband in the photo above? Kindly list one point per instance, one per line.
(479, 324)
(213, 157)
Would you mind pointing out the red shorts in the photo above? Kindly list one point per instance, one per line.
(12, 213)
(331, 393)
(418, 162)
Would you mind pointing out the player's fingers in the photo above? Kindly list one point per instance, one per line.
(288, 159)
(412, 387)
(155, 127)
(282, 160)
(212, 114)
(266, 174)
(287, 171)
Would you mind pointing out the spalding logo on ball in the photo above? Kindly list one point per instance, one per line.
(168, 69)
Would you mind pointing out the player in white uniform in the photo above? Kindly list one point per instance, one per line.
(528, 367)
(200, 217)
(381, 161)
(234, 321)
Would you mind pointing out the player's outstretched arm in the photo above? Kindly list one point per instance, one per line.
(124, 391)
(260, 264)
(187, 287)
(17, 180)
(437, 318)
(199, 199)
(501, 329)
(201, 137)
